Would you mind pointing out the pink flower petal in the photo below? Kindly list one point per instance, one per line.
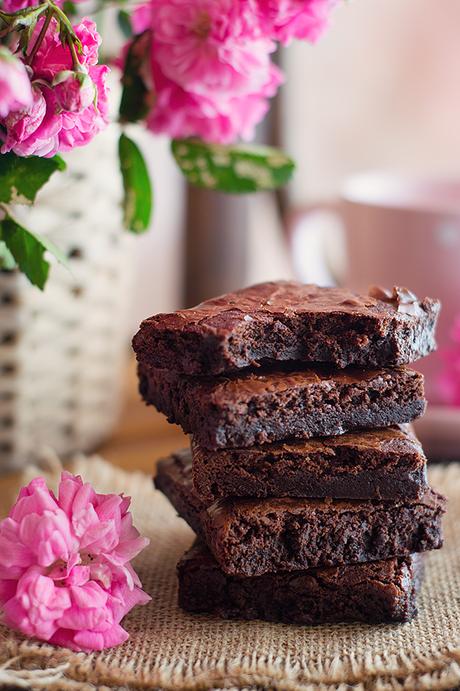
(7, 589)
(14, 554)
(89, 595)
(79, 575)
(35, 498)
(130, 549)
(90, 640)
(76, 618)
(68, 488)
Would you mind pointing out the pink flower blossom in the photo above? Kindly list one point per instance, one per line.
(15, 88)
(141, 18)
(79, 128)
(449, 381)
(181, 114)
(16, 5)
(57, 120)
(52, 57)
(36, 130)
(211, 47)
(74, 90)
(65, 572)
(284, 20)
(210, 69)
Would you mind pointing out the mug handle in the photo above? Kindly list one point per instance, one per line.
(318, 255)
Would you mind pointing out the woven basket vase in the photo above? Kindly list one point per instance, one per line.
(62, 350)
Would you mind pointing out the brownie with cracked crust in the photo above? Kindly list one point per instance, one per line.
(376, 592)
(290, 321)
(259, 407)
(385, 463)
(250, 537)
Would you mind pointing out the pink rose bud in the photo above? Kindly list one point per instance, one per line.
(74, 91)
(15, 87)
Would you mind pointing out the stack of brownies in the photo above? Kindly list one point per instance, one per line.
(305, 483)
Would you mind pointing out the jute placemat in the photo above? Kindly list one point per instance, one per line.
(169, 649)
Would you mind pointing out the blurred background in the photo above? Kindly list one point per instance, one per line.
(379, 92)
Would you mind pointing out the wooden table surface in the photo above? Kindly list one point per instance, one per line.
(142, 435)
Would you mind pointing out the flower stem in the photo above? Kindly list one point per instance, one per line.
(75, 60)
(41, 35)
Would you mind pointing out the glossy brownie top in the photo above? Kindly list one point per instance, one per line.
(288, 321)
(291, 297)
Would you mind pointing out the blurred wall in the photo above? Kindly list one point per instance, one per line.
(380, 90)
(158, 280)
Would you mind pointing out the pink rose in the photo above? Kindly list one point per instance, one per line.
(79, 128)
(15, 87)
(52, 57)
(59, 117)
(210, 68)
(74, 91)
(181, 114)
(211, 47)
(211, 72)
(34, 132)
(141, 18)
(15, 5)
(301, 19)
(65, 572)
(449, 381)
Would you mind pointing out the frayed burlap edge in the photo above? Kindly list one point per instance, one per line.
(31, 665)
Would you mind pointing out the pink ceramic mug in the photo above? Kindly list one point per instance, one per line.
(394, 231)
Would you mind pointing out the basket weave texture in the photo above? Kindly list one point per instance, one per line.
(62, 351)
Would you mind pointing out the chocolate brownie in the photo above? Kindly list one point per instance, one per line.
(376, 592)
(174, 479)
(273, 405)
(386, 463)
(287, 320)
(250, 537)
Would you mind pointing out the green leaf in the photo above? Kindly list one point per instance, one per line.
(234, 169)
(21, 178)
(28, 250)
(69, 8)
(6, 258)
(124, 22)
(137, 202)
(134, 104)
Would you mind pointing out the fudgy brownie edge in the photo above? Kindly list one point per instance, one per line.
(252, 537)
(378, 592)
(277, 404)
(386, 463)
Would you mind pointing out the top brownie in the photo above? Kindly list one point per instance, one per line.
(285, 321)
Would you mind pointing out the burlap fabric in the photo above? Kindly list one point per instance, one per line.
(169, 649)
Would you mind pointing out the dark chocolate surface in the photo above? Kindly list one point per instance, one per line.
(376, 592)
(290, 321)
(250, 537)
(277, 404)
(386, 463)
